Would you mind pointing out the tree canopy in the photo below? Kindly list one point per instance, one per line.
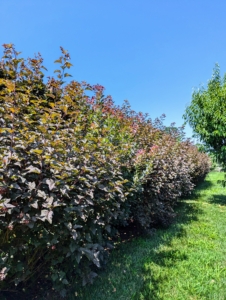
(207, 114)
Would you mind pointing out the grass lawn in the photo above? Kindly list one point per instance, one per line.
(185, 261)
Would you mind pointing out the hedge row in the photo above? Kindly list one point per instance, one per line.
(73, 166)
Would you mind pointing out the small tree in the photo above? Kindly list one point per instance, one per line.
(207, 114)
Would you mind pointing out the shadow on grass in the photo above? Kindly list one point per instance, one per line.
(187, 212)
(206, 184)
(218, 199)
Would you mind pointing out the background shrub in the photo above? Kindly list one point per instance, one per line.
(166, 169)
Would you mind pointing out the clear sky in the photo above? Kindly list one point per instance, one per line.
(152, 53)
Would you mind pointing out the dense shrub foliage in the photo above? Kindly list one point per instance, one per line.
(73, 166)
(168, 169)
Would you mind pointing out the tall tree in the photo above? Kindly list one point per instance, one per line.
(207, 114)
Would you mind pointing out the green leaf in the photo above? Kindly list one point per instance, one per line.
(58, 61)
(64, 281)
(72, 247)
(50, 183)
(38, 151)
(15, 186)
(54, 277)
(32, 169)
(31, 185)
(68, 65)
(34, 203)
(49, 217)
(67, 75)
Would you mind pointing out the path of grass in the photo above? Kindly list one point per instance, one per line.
(186, 261)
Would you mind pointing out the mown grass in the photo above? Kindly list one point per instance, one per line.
(185, 261)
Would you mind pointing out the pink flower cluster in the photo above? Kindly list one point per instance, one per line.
(153, 148)
(98, 88)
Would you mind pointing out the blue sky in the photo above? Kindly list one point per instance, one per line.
(152, 53)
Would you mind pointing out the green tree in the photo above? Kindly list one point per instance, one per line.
(207, 115)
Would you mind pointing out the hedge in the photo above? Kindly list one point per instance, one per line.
(73, 167)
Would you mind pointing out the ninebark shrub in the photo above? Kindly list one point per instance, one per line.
(72, 167)
(166, 169)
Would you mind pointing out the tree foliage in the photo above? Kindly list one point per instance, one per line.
(207, 114)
